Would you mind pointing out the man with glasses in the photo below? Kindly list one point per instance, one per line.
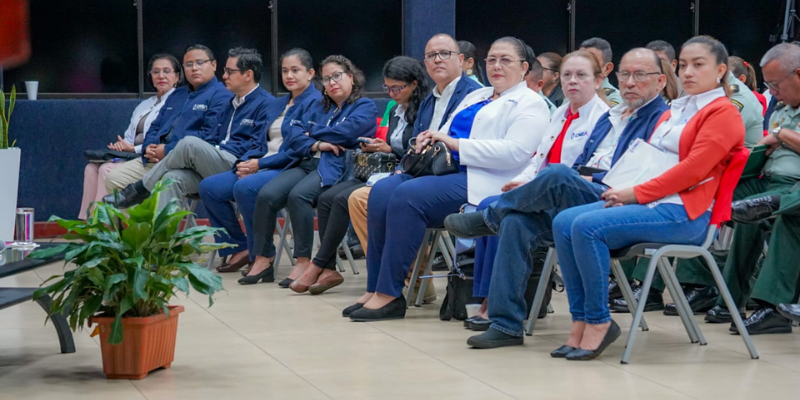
(602, 50)
(551, 63)
(191, 110)
(535, 81)
(195, 157)
(523, 216)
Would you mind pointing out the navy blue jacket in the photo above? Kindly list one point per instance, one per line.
(640, 127)
(425, 113)
(340, 127)
(246, 122)
(259, 146)
(197, 115)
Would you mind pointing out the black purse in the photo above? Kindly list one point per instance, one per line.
(366, 164)
(108, 155)
(435, 159)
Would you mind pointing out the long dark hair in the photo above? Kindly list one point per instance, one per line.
(408, 70)
(349, 68)
(469, 51)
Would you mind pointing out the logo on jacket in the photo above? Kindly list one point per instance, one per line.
(247, 122)
(576, 135)
(199, 107)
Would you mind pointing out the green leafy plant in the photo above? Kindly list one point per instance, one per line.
(128, 265)
(5, 119)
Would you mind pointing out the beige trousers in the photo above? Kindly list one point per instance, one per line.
(358, 214)
(130, 172)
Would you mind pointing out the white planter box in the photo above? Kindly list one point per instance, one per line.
(9, 183)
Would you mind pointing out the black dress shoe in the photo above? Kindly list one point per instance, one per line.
(654, 301)
(614, 291)
(765, 320)
(751, 211)
(467, 225)
(493, 338)
(129, 196)
(396, 309)
(285, 283)
(791, 311)
(701, 299)
(584, 355)
(349, 310)
(719, 315)
(266, 276)
(480, 324)
(562, 351)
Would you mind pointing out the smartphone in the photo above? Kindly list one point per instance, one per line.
(363, 140)
(589, 171)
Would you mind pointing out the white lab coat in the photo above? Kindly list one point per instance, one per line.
(148, 105)
(574, 138)
(504, 135)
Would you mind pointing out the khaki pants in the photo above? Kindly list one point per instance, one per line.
(358, 214)
(130, 172)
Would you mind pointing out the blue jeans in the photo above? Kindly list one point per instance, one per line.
(399, 210)
(584, 235)
(485, 252)
(218, 193)
(524, 218)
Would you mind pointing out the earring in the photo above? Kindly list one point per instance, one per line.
(325, 92)
(719, 80)
(469, 71)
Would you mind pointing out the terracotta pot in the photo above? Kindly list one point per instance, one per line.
(147, 343)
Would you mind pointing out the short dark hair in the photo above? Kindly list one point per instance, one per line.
(554, 60)
(176, 65)
(349, 68)
(537, 70)
(663, 46)
(599, 44)
(248, 59)
(208, 51)
(406, 69)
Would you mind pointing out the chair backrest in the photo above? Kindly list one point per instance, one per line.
(730, 178)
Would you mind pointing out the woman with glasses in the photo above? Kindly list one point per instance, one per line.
(405, 80)
(165, 74)
(317, 144)
(699, 134)
(492, 135)
(263, 162)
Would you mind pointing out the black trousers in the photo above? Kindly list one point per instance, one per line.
(333, 216)
(297, 190)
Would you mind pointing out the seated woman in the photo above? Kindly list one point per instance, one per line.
(471, 66)
(744, 71)
(406, 82)
(700, 132)
(563, 142)
(318, 142)
(165, 74)
(492, 134)
(259, 165)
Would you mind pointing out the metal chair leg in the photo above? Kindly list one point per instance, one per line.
(627, 292)
(349, 255)
(282, 231)
(684, 310)
(639, 313)
(438, 242)
(544, 280)
(61, 325)
(423, 250)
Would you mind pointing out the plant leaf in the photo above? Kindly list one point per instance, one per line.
(181, 283)
(139, 282)
(48, 252)
(116, 327)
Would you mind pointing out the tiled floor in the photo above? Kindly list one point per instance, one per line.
(263, 342)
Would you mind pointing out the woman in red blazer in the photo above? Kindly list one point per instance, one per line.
(699, 133)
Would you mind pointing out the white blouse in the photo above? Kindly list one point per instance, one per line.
(152, 106)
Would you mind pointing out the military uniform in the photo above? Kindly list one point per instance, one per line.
(750, 109)
(550, 104)
(612, 93)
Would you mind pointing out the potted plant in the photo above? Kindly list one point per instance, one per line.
(128, 267)
(9, 165)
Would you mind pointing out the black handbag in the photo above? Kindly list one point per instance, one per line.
(435, 159)
(366, 164)
(108, 155)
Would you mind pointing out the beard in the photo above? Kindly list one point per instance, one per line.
(635, 103)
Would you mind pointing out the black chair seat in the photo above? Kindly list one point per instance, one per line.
(636, 250)
(193, 196)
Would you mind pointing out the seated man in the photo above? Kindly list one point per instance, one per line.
(666, 52)
(523, 216)
(602, 50)
(535, 81)
(190, 110)
(194, 158)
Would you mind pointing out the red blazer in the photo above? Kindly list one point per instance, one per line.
(707, 144)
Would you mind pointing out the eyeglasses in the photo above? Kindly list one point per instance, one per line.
(230, 71)
(774, 85)
(157, 72)
(580, 76)
(504, 61)
(335, 77)
(393, 90)
(550, 69)
(191, 64)
(443, 55)
(638, 76)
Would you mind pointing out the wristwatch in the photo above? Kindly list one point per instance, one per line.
(776, 132)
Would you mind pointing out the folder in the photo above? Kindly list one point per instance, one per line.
(756, 161)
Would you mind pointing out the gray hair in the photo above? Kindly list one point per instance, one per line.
(787, 54)
(599, 44)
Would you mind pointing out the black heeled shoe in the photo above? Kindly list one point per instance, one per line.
(349, 310)
(584, 355)
(396, 309)
(266, 276)
(562, 351)
(285, 283)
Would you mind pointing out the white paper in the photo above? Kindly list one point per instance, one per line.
(640, 163)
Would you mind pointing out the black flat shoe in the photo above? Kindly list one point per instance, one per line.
(584, 355)
(467, 225)
(266, 276)
(285, 283)
(493, 338)
(396, 309)
(752, 211)
(480, 325)
(653, 302)
(349, 310)
(562, 351)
